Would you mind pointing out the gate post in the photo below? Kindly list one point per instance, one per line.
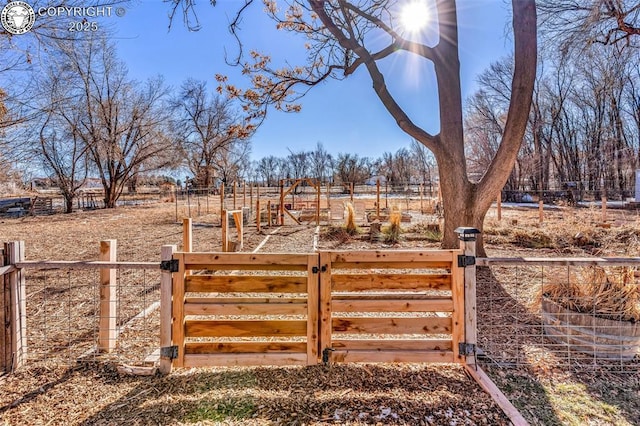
(108, 298)
(468, 238)
(15, 309)
(166, 313)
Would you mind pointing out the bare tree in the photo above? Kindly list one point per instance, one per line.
(269, 169)
(351, 168)
(207, 127)
(122, 122)
(576, 24)
(320, 163)
(342, 37)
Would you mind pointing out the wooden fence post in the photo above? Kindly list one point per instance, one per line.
(15, 309)
(187, 235)
(467, 238)
(108, 298)
(224, 218)
(499, 205)
(166, 313)
(5, 301)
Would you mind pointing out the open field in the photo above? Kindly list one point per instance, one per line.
(94, 393)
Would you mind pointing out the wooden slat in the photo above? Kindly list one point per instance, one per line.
(244, 360)
(275, 259)
(431, 325)
(402, 256)
(325, 302)
(248, 328)
(178, 310)
(392, 265)
(80, 264)
(503, 402)
(191, 308)
(244, 267)
(258, 300)
(434, 304)
(372, 282)
(244, 347)
(165, 309)
(457, 317)
(313, 314)
(390, 345)
(245, 284)
(392, 356)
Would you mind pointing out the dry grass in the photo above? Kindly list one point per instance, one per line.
(393, 231)
(612, 295)
(350, 221)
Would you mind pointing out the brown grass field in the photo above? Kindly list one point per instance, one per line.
(96, 393)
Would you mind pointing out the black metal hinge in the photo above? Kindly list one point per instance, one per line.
(316, 270)
(466, 348)
(464, 261)
(170, 352)
(325, 355)
(172, 265)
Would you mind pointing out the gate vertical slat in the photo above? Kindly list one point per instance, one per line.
(457, 316)
(325, 302)
(313, 303)
(165, 309)
(178, 309)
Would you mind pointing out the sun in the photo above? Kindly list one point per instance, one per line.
(414, 16)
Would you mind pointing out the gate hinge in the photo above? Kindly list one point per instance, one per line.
(466, 348)
(170, 352)
(316, 270)
(325, 355)
(172, 265)
(464, 261)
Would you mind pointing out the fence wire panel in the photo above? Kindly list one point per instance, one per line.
(63, 316)
(579, 316)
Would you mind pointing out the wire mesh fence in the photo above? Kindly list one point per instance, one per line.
(558, 313)
(63, 312)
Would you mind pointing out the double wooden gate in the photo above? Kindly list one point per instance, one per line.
(332, 306)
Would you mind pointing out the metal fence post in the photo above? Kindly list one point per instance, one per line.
(468, 238)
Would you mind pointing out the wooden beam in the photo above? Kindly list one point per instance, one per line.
(187, 235)
(325, 302)
(416, 282)
(166, 254)
(177, 319)
(313, 306)
(439, 304)
(239, 347)
(17, 307)
(225, 360)
(503, 402)
(388, 325)
(193, 307)
(245, 284)
(393, 345)
(246, 328)
(108, 298)
(392, 356)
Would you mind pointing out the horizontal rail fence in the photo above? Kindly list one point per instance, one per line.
(245, 309)
(575, 313)
(391, 306)
(65, 311)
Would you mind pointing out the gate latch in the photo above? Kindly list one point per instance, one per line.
(466, 348)
(464, 261)
(315, 269)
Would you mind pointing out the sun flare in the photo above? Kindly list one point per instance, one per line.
(414, 16)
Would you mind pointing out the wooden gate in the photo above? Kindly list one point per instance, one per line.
(286, 309)
(245, 309)
(391, 306)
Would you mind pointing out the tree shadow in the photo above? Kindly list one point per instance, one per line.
(369, 394)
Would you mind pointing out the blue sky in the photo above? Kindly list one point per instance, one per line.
(345, 116)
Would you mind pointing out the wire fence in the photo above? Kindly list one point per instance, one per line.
(65, 316)
(580, 314)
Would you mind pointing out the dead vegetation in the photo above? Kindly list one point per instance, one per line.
(96, 394)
